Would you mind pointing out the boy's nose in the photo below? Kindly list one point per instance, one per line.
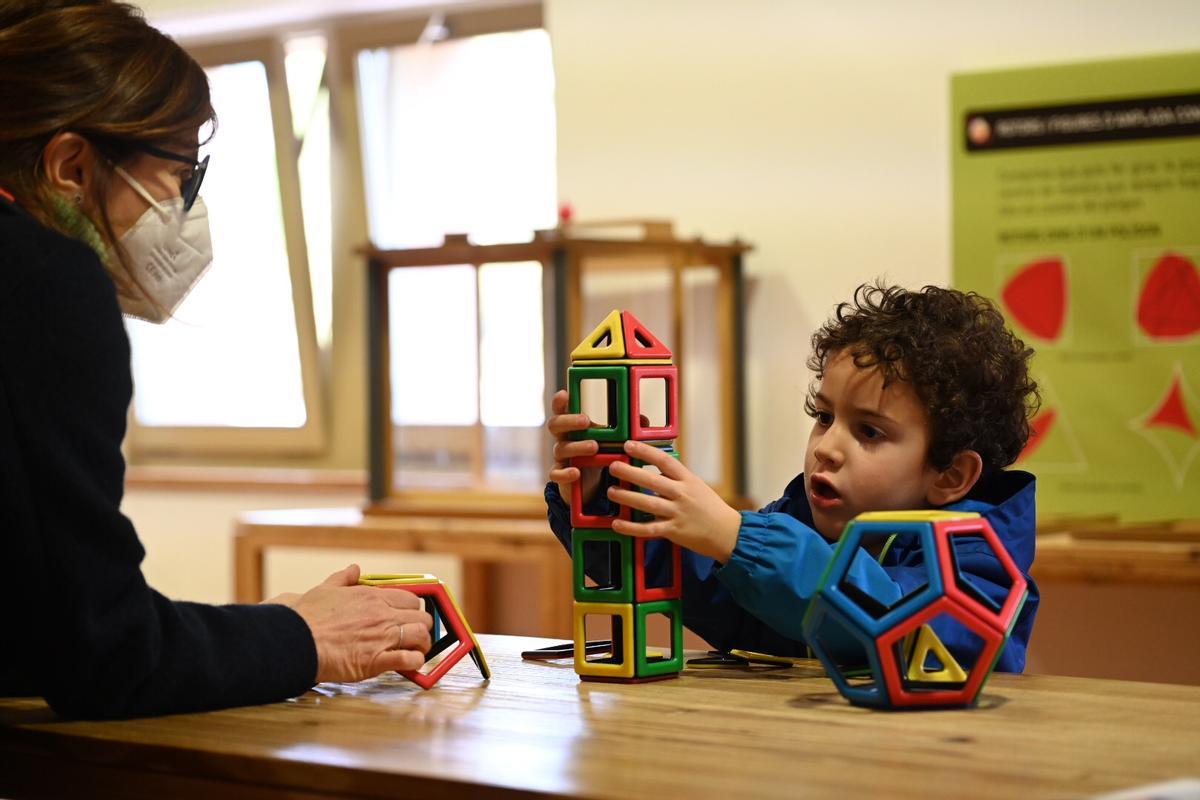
(829, 449)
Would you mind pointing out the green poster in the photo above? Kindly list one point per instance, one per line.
(1076, 196)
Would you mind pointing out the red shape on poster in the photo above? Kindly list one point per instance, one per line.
(1039, 426)
(1172, 413)
(1169, 306)
(1036, 296)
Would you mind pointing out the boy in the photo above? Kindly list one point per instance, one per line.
(921, 399)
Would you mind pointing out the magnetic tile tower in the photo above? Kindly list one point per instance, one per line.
(623, 354)
(889, 654)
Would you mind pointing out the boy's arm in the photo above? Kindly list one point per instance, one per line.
(709, 609)
(778, 564)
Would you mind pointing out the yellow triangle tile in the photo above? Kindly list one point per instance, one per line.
(590, 348)
(928, 641)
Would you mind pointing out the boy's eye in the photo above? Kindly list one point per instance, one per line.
(871, 433)
(823, 418)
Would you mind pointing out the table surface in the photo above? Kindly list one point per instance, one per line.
(535, 729)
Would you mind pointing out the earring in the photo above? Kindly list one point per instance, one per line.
(78, 199)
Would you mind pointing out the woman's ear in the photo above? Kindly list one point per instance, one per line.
(952, 484)
(69, 161)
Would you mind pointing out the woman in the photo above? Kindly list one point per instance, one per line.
(99, 215)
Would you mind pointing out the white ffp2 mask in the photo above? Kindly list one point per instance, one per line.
(168, 249)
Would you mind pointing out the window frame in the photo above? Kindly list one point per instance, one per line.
(455, 251)
(358, 282)
(310, 438)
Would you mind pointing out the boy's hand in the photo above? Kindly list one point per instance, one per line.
(560, 426)
(688, 511)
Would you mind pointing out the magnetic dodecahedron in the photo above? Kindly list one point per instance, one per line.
(622, 353)
(887, 652)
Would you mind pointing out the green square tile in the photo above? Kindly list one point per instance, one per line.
(642, 516)
(622, 589)
(644, 667)
(617, 378)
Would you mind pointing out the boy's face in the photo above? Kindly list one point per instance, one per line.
(868, 449)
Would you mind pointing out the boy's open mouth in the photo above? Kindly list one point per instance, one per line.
(823, 493)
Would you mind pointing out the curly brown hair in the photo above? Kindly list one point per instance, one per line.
(968, 369)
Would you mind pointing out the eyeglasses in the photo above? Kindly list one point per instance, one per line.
(190, 189)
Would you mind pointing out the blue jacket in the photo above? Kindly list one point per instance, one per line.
(757, 600)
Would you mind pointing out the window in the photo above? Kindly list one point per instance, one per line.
(458, 137)
(334, 133)
(235, 369)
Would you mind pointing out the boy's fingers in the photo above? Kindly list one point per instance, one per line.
(638, 476)
(558, 403)
(560, 424)
(566, 450)
(640, 500)
(642, 530)
(564, 475)
(669, 465)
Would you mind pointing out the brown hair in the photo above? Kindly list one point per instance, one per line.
(95, 68)
(969, 370)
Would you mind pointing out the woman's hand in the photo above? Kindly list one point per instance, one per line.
(687, 510)
(362, 631)
(560, 426)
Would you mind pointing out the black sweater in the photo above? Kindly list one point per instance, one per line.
(78, 624)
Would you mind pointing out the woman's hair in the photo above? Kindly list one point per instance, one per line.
(968, 369)
(95, 68)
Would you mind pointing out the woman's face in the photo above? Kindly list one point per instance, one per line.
(162, 178)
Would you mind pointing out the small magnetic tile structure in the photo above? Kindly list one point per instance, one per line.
(449, 647)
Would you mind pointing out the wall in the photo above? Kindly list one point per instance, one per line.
(816, 131)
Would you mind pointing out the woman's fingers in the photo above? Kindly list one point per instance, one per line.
(410, 636)
(400, 599)
(398, 660)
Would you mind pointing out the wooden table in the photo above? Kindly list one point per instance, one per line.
(483, 544)
(536, 731)
(1120, 554)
